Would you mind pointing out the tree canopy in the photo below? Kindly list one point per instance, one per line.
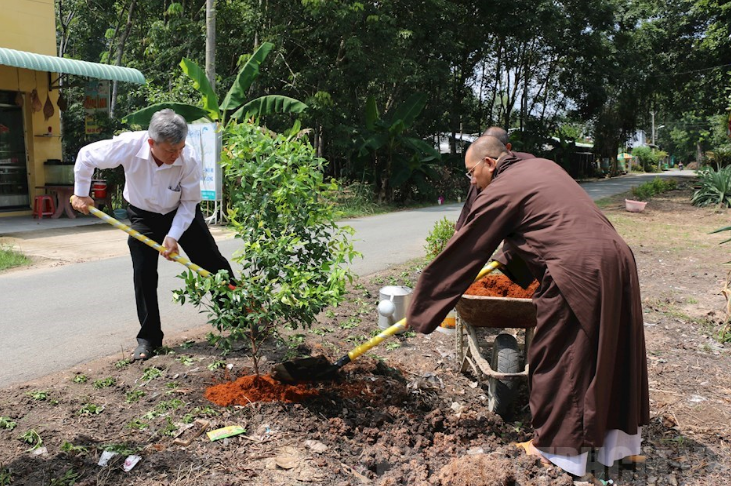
(533, 66)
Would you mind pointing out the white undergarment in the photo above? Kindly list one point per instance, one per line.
(617, 445)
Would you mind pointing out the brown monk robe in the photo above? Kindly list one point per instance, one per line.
(588, 368)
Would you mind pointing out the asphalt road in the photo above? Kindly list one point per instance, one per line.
(56, 318)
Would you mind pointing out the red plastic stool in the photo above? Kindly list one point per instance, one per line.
(43, 206)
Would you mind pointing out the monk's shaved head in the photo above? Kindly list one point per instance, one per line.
(498, 133)
(487, 146)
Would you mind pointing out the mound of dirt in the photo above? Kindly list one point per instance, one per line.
(497, 470)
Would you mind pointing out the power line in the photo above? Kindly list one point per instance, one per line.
(695, 70)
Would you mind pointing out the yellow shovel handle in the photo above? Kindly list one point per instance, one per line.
(152, 243)
(401, 325)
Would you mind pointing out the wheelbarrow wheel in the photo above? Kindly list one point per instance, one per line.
(505, 359)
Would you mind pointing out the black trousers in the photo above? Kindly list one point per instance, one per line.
(199, 246)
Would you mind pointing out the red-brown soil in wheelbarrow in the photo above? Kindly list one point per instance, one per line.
(501, 286)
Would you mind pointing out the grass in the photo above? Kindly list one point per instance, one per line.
(33, 438)
(91, 409)
(38, 395)
(217, 365)
(10, 258)
(134, 396)
(104, 383)
(7, 423)
(6, 477)
(68, 479)
(151, 373)
(70, 448)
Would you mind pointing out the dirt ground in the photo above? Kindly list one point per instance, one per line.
(402, 415)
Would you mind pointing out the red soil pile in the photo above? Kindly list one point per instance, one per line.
(501, 286)
(252, 388)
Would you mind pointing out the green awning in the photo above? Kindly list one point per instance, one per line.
(53, 64)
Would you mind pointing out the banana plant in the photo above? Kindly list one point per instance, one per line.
(396, 156)
(234, 105)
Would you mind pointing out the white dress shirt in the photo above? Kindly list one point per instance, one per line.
(156, 189)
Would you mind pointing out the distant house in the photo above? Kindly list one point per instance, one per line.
(462, 140)
(638, 139)
(580, 162)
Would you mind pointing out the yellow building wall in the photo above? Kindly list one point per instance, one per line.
(29, 25)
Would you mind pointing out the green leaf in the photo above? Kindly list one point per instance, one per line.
(721, 229)
(373, 143)
(400, 176)
(371, 112)
(267, 105)
(396, 128)
(418, 145)
(175, 8)
(200, 83)
(237, 94)
(142, 117)
(410, 109)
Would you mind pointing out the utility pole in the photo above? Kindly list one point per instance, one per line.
(211, 43)
(653, 127)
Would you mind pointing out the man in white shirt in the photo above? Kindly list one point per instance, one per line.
(163, 190)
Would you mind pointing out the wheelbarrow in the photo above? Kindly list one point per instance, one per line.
(505, 366)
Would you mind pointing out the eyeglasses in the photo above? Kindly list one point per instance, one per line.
(470, 173)
(170, 149)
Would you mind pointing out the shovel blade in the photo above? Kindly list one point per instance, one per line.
(312, 368)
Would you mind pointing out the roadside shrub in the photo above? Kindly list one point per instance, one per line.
(637, 168)
(720, 156)
(10, 258)
(354, 199)
(648, 189)
(647, 157)
(663, 185)
(715, 187)
(438, 238)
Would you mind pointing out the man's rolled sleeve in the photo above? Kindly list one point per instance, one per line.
(190, 196)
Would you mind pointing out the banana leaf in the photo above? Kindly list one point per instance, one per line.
(371, 113)
(237, 94)
(189, 112)
(269, 104)
(201, 84)
(373, 144)
(418, 145)
(410, 109)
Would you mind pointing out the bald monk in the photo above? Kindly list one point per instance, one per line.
(474, 190)
(587, 364)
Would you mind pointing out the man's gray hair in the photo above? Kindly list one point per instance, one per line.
(167, 126)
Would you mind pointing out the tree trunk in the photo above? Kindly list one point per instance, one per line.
(698, 153)
(211, 43)
(498, 69)
(120, 53)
